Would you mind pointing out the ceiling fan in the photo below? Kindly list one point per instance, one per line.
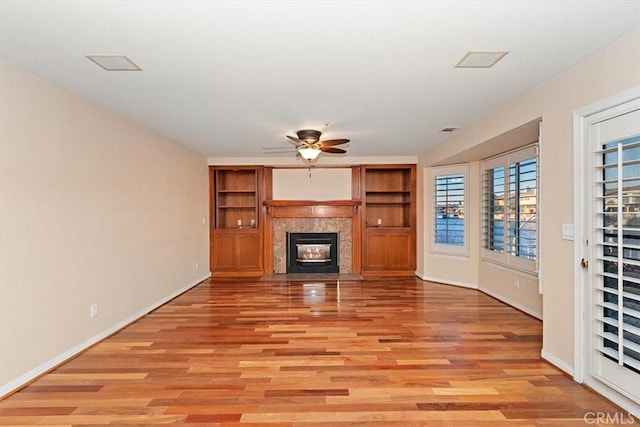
(308, 144)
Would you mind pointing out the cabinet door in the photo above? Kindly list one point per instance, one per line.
(375, 251)
(248, 251)
(389, 251)
(398, 251)
(223, 252)
(234, 251)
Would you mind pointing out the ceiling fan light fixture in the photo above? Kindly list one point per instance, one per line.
(309, 136)
(309, 153)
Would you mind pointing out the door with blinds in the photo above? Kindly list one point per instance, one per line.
(613, 306)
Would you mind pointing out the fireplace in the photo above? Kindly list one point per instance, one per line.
(312, 252)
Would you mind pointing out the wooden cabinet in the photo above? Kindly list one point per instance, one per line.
(236, 234)
(236, 251)
(383, 225)
(389, 220)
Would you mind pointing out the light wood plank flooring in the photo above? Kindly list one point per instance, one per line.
(387, 352)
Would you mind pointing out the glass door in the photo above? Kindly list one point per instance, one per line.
(614, 280)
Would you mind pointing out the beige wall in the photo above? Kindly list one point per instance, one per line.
(459, 270)
(311, 184)
(94, 210)
(612, 70)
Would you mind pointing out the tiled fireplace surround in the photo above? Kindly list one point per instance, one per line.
(342, 226)
(339, 216)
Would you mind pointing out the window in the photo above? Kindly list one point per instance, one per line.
(510, 209)
(449, 209)
(449, 221)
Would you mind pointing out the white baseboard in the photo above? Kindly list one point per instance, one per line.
(50, 364)
(446, 281)
(558, 363)
(486, 291)
(512, 303)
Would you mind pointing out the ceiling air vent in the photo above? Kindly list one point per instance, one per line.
(449, 129)
(114, 62)
(480, 59)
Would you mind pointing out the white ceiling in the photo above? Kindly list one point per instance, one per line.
(228, 78)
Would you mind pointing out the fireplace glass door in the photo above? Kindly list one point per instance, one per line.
(312, 253)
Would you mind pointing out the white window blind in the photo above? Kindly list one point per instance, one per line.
(617, 254)
(495, 201)
(449, 210)
(510, 209)
(523, 208)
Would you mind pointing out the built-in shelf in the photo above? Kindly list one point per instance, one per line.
(388, 199)
(236, 197)
(236, 236)
(389, 205)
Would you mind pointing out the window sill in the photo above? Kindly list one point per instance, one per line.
(450, 255)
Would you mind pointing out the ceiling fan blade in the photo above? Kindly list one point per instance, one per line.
(297, 142)
(330, 142)
(332, 150)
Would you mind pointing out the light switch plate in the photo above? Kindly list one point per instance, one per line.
(568, 231)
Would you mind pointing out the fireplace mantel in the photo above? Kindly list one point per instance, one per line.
(312, 208)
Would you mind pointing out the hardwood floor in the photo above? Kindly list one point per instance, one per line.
(388, 352)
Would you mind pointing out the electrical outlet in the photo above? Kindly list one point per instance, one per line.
(197, 265)
(516, 283)
(379, 221)
(93, 310)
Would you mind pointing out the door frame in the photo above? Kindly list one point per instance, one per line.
(582, 120)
